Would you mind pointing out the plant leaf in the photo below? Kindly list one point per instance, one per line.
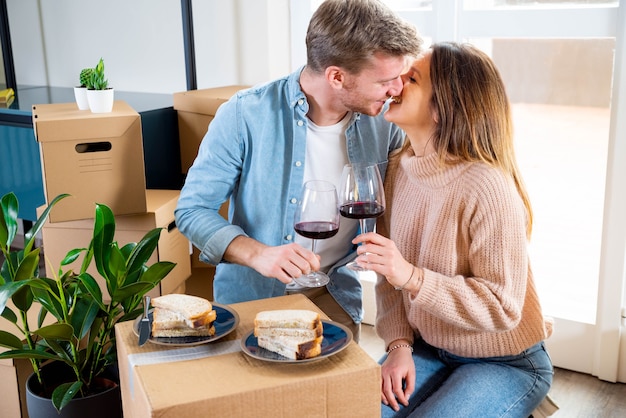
(117, 268)
(64, 393)
(28, 354)
(44, 292)
(23, 298)
(7, 290)
(72, 255)
(10, 341)
(29, 237)
(8, 220)
(156, 272)
(84, 314)
(28, 266)
(131, 290)
(9, 315)
(103, 233)
(92, 288)
(144, 250)
(55, 331)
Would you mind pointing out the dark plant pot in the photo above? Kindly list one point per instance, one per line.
(105, 404)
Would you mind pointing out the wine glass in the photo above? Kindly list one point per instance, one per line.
(317, 217)
(361, 197)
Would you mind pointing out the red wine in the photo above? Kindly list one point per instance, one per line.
(361, 210)
(317, 230)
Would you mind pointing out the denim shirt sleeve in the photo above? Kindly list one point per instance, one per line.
(253, 154)
(208, 185)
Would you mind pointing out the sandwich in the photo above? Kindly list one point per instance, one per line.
(292, 333)
(180, 315)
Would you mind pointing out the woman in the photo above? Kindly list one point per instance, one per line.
(457, 305)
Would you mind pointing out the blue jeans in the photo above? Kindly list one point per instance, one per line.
(452, 386)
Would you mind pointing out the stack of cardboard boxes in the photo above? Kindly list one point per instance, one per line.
(95, 158)
(98, 158)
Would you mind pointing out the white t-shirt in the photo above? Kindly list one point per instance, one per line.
(326, 155)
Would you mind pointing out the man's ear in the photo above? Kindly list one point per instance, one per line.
(335, 76)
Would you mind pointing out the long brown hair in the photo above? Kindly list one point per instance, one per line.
(473, 113)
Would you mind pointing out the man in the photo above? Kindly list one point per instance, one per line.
(266, 141)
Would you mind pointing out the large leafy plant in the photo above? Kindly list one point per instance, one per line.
(82, 333)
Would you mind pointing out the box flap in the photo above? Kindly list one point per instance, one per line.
(160, 213)
(64, 122)
(162, 203)
(204, 101)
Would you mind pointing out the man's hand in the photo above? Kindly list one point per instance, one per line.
(283, 262)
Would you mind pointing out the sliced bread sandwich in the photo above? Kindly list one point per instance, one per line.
(292, 333)
(295, 348)
(167, 323)
(180, 315)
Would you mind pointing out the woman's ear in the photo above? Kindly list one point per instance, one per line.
(435, 117)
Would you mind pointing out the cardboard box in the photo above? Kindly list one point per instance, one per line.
(13, 376)
(200, 283)
(229, 383)
(196, 109)
(95, 157)
(60, 237)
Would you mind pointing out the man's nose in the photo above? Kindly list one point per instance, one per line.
(396, 87)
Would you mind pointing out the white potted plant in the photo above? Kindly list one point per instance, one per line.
(99, 94)
(80, 91)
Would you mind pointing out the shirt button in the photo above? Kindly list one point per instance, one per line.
(298, 163)
(301, 102)
(289, 237)
(294, 200)
(300, 123)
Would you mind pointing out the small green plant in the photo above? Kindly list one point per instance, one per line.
(85, 77)
(98, 81)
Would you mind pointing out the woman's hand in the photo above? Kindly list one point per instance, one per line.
(381, 255)
(398, 378)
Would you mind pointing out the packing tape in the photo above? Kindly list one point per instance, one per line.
(180, 354)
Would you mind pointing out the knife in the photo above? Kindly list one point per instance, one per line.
(144, 325)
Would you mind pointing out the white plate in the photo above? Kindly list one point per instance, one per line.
(226, 321)
(336, 337)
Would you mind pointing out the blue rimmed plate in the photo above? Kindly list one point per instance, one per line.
(226, 321)
(336, 337)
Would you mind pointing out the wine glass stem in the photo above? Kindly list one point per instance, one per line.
(363, 224)
(313, 245)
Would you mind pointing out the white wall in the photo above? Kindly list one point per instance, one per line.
(141, 41)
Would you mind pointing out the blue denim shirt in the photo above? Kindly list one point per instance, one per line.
(253, 154)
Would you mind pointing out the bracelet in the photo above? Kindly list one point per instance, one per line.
(409, 346)
(407, 282)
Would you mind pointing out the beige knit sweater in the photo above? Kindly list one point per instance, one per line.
(465, 226)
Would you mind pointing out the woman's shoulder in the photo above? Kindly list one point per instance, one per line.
(484, 180)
